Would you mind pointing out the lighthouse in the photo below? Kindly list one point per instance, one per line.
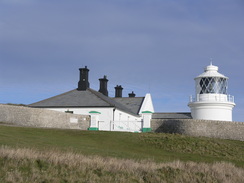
(211, 100)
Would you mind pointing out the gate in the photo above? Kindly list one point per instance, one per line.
(104, 125)
(126, 126)
(121, 126)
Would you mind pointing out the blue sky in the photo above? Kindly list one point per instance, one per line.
(147, 46)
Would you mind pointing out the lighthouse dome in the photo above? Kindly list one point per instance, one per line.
(211, 71)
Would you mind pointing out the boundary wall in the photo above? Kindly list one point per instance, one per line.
(43, 118)
(34, 117)
(206, 128)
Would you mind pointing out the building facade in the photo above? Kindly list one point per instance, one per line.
(104, 110)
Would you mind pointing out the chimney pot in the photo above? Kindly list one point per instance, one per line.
(83, 84)
(103, 85)
(118, 91)
(132, 94)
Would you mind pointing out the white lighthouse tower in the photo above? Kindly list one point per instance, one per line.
(211, 101)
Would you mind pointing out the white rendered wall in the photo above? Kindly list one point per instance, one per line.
(122, 116)
(212, 110)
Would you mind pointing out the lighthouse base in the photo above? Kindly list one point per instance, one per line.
(221, 111)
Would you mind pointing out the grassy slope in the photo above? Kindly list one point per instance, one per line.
(157, 147)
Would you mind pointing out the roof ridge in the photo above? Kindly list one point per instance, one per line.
(127, 97)
(100, 96)
(141, 104)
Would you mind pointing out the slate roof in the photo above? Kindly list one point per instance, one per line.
(132, 103)
(89, 98)
(185, 115)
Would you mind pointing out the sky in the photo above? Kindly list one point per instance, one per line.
(147, 46)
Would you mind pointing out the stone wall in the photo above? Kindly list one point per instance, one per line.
(33, 117)
(206, 128)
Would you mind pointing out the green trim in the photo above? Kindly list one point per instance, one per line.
(146, 112)
(94, 112)
(93, 129)
(146, 129)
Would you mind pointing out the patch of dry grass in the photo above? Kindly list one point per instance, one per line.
(30, 165)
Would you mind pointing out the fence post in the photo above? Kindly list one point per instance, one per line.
(94, 120)
(146, 116)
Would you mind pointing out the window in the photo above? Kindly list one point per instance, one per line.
(213, 85)
(68, 111)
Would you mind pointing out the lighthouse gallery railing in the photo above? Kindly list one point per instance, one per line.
(215, 97)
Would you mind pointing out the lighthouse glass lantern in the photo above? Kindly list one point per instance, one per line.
(211, 101)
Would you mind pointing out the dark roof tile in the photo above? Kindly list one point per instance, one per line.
(132, 103)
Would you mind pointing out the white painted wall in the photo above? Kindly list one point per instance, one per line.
(212, 110)
(147, 120)
(122, 116)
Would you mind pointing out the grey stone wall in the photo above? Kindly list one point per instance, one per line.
(206, 128)
(33, 117)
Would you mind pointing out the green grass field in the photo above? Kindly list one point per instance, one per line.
(153, 146)
(137, 147)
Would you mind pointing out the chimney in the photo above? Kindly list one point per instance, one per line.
(103, 86)
(118, 91)
(132, 94)
(83, 84)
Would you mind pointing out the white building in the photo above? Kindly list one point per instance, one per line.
(211, 101)
(107, 113)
